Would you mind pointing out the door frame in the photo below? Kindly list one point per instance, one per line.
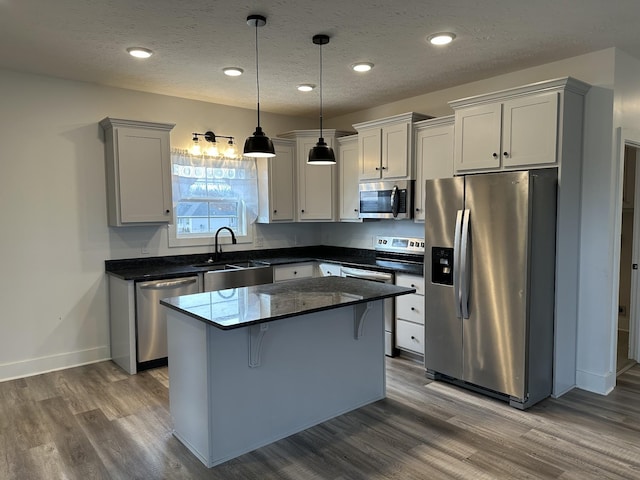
(626, 137)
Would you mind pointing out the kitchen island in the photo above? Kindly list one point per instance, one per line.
(252, 365)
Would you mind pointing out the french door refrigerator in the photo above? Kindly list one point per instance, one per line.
(489, 289)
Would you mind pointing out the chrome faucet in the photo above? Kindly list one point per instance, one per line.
(218, 250)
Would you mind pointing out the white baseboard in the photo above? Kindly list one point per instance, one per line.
(602, 384)
(36, 366)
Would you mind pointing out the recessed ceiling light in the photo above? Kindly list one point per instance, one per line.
(362, 66)
(233, 71)
(442, 38)
(139, 52)
(305, 87)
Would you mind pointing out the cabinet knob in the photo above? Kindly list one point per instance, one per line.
(295, 273)
(412, 337)
(377, 168)
(384, 168)
(417, 209)
(495, 155)
(413, 309)
(506, 154)
(275, 211)
(302, 211)
(355, 209)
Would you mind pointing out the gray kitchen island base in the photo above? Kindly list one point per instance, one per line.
(232, 391)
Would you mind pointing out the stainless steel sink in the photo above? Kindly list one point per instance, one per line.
(234, 275)
(210, 266)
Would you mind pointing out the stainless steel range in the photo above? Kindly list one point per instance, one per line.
(391, 253)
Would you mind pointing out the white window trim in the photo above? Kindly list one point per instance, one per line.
(223, 238)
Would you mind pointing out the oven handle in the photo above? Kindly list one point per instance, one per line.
(366, 274)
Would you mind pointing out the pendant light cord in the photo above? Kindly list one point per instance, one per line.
(320, 90)
(257, 73)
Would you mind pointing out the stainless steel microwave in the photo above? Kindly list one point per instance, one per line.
(387, 199)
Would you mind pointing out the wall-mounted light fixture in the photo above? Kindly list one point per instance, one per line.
(211, 148)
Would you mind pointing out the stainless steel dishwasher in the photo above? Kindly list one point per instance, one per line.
(151, 320)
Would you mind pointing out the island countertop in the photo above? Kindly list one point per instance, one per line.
(240, 307)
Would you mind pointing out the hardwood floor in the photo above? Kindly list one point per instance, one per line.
(96, 422)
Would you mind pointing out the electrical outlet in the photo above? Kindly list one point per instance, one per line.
(258, 242)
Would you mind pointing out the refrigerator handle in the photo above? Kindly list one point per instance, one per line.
(465, 266)
(456, 264)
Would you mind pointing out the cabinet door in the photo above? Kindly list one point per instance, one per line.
(530, 129)
(316, 185)
(396, 152)
(349, 194)
(369, 145)
(282, 184)
(143, 175)
(434, 159)
(477, 137)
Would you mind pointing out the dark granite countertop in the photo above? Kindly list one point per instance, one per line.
(154, 268)
(240, 307)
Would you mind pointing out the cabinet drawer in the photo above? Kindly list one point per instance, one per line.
(411, 281)
(410, 336)
(410, 307)
(288, 272)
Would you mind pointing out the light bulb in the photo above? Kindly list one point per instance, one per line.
(231, 151)
(195, 147)
(212, 149)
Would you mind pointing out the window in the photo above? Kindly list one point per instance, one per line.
(209, 193)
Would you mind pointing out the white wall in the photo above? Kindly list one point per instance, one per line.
(53, 211)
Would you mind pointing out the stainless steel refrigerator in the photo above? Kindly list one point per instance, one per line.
(489, 283)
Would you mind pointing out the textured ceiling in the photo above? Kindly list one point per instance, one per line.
(194, 39)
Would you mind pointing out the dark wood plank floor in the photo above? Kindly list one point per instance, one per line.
(96, 422)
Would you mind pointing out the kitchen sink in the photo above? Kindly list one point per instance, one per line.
(239, 274)
(210, 266)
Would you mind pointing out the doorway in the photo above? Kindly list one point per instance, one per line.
(628, 269)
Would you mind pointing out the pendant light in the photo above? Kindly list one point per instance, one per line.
(259, 145)
(321, 154)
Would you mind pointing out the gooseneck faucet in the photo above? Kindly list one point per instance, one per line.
(218, 250)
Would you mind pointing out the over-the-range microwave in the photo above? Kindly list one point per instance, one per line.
(386, 199)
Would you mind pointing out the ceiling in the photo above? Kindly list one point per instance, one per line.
(193, 40)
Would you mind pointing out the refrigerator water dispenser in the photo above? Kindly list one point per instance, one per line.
(442, 265)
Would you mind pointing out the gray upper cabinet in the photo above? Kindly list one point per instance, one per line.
(138, 170)
(386, 147)
(277, 183)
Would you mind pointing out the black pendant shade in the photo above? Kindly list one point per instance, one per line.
(258, 145)
(321, 154)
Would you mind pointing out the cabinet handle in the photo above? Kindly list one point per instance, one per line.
(384, 168)
(417, 209)
(355, 209)
(495, 155)
(167, 211)
(302, 211)
(295, 273)
(275, 211)
(412, 337)
(413, 309)
(377, 168)
(506, 154)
